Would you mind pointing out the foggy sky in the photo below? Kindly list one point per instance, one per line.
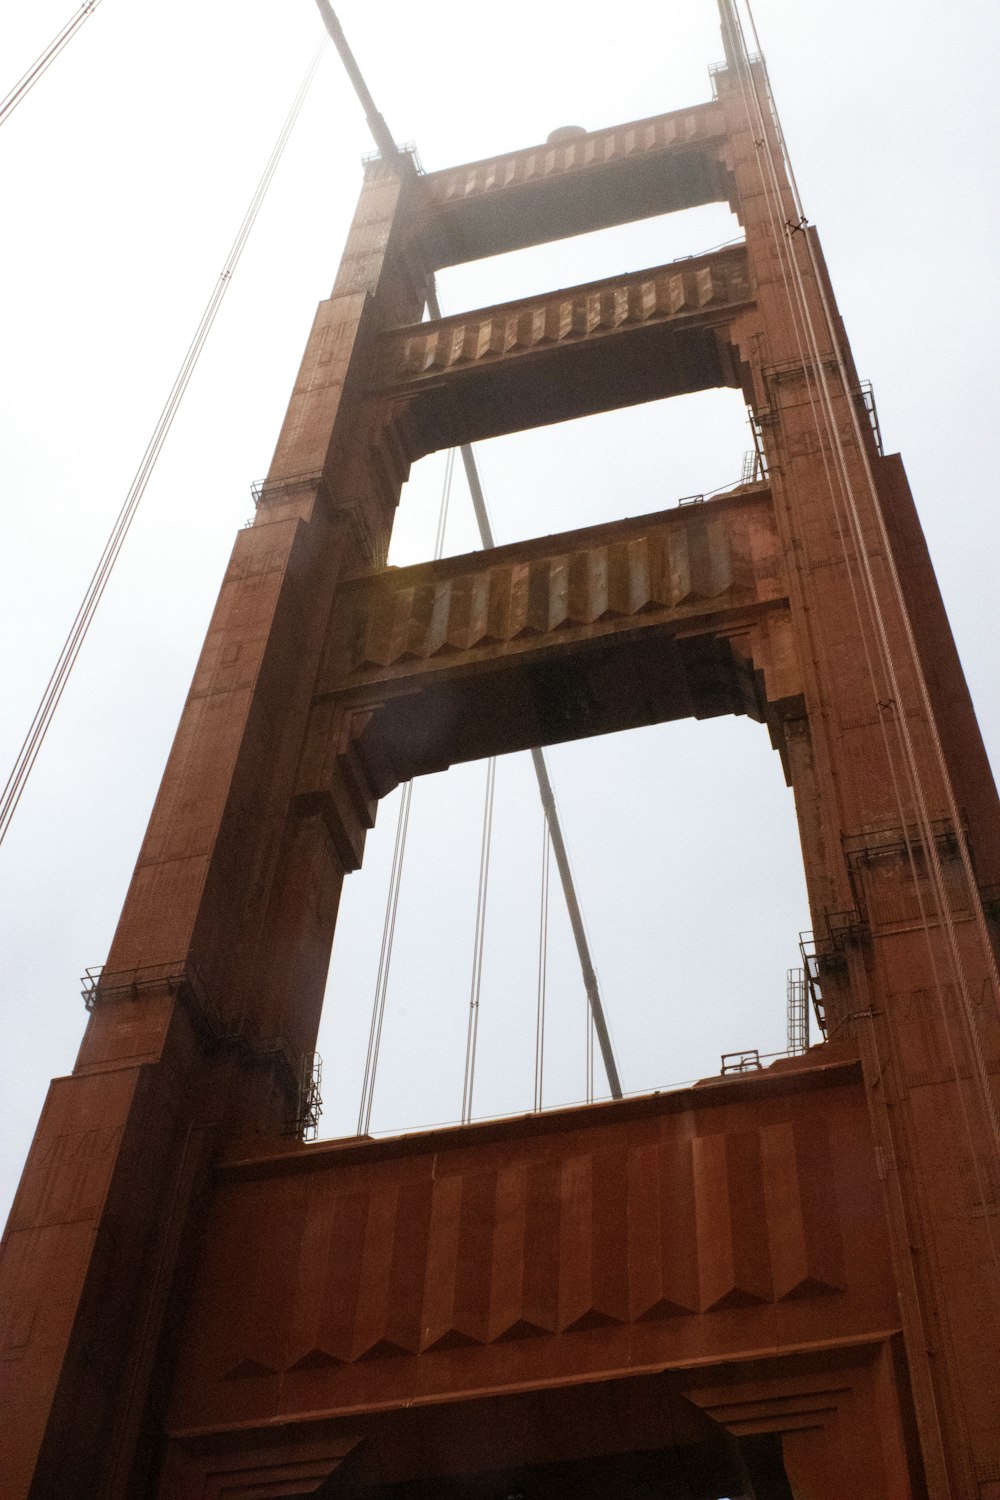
(125, 175)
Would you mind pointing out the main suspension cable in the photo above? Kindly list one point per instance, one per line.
(391, 155)
(24, 85)
(28, 753)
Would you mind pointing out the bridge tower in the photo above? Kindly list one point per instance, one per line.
(776, 1283)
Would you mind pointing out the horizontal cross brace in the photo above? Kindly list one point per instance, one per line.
(679, 614)
(682, 564)
(700, 289)
(571, 186)
(570, 353)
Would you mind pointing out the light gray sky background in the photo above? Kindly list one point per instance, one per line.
(124, 177)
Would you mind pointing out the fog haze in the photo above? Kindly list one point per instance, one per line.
(125, 175)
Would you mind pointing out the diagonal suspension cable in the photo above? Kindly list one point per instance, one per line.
(44, 713)
(24, 85)
(390, 153)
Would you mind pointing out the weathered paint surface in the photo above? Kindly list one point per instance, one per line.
(193, 1306)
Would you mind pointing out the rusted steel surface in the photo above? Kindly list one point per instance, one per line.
(662, 332)
(192, 1307)
(702, 291)
(699, 563)
(545, 192)
(676, 130)
(710, 1224)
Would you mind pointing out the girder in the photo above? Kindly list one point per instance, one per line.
(590, 181)
(682, 613)
(570, 353)
(447, 1241)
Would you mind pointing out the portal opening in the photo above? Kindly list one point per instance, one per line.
(618, 250)
(629, 462)
(685, 850)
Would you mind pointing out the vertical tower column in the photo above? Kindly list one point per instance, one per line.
(214, 982)
(889, 783)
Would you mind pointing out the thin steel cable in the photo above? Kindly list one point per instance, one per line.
(472, 1033)
(925, 704)
(449, 471)
(819, 392)
(797, 304)
(895, 582)
(565, 1104)
(890, 693)
(543, 964)
(885, 684)
(384, 961)
(899, 718)
(28, 754)
(396, 872)
(881, 1126)
(24, 85)
(546, 794)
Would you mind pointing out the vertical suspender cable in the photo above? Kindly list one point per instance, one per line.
(449, 470)
(396, 873)
(545, 792)
(472, 1034)
(24, 85)
(45, 711)
(543, 964)
(548, 800)
(384, 961)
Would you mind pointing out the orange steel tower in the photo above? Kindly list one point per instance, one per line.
(778, 1283)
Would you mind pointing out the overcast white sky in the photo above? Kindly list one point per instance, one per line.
(124, 177)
